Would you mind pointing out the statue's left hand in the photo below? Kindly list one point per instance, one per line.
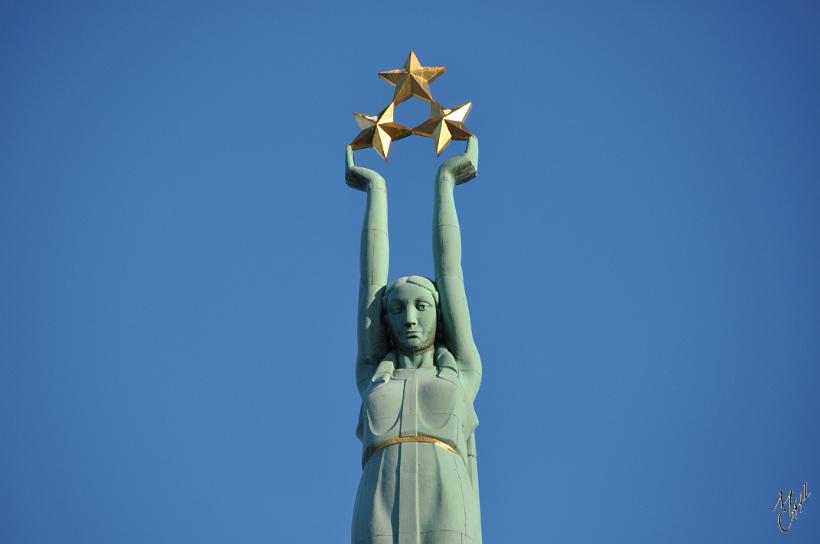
(462, 168)
(358, 177)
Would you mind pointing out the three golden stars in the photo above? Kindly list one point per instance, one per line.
(412, 80)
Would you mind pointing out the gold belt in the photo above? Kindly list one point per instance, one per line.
(402, 439)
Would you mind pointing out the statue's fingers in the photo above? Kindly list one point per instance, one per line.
(472, 151)
(355, 183)
(349, 164)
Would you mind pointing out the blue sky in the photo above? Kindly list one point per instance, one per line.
(179, 271)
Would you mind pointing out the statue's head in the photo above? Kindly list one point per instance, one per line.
(410, 312)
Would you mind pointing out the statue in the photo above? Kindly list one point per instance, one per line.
(418, 372)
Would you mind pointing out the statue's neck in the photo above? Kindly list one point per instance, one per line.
(420, 359)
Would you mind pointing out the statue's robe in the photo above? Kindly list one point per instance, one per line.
(416, 492)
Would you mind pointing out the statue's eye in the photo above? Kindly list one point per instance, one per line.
(395, 308)
(422, 306)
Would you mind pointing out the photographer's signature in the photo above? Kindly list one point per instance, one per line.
(790, 505)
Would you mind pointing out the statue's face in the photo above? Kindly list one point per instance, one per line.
(411, 317)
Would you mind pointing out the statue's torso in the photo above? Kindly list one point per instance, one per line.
(422, 401)
(420, 492)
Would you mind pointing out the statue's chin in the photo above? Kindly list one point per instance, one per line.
(411, 348)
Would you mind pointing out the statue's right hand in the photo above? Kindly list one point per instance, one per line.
(358, 177)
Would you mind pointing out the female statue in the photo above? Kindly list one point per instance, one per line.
(418, 372)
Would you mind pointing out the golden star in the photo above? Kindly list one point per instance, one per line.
(445, 125)
(378, 131)
(412, 80)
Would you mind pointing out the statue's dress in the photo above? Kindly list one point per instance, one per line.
(416, 492)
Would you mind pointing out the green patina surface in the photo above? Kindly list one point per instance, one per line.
(418, 372)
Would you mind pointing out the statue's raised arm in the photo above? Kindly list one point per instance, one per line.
(374, 259)
(447, 258)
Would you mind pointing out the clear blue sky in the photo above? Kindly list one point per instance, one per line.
(179, 264)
